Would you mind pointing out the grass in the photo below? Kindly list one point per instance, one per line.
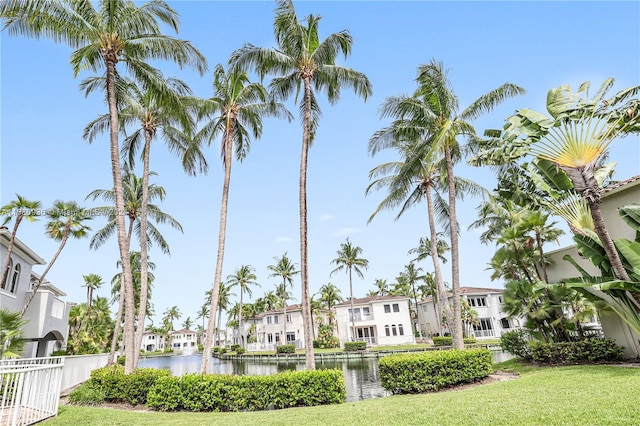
(574, 395)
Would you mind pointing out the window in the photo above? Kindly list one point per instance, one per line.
(387, 309)
(269, 337)
(484, 328)
(365, 312)
(269, 319)
(387, 331)
(289, 318)
(6, 280)
(394, 330)
(275, 319)
(57, 308)
(477, 301)
(396, 307)
(357, 316)
(505, 323)
(400, 330)
(500, 299)
(291, 336)
(277, 337)
(15, 278)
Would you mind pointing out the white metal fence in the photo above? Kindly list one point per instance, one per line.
(30, 390)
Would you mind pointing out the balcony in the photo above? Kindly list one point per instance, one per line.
(360, 317)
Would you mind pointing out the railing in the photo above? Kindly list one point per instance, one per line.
(259, 347)
(360, 317)
(484, 333)
(30, 390)
(369, 340)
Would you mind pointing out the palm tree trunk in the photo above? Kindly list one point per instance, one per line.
(543, 264)
(220, 323)
(456, 329)
(415, 301)
(144, 255)
(284, 299)
(127, 280)
(240, 325)
(215, 293)
(116, 329)
(65, 237)
(5, 270)
(304, 267)
(437, 270)
(353, 312)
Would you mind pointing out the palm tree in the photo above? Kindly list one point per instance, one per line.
(236, 111)
(171, 314)
(271, 300)
(349, 260)
(302, 59)
(20, 209)
(244, 278)
(330, 295)
(432, 117)
(413, 275)
(286, 270)
(11, 342)
(91, 282)
(187, 323)
(203, 313)
(116, 31)
(382, 287)
(66, 220)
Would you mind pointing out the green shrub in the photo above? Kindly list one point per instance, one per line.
(223, 351)
(355, 346)
(316, 344)
(216, 349)
(240, 351)
(234, 347)
(433, 370)
(588, 350)
(200, 347)
(326, 338)
(111, 380)
(516, 342)
(286, 349)
(87, 394)
(448, 340)
(59, 353)
(119, 387)
(139, 382)
(120, 360)
(214, 392)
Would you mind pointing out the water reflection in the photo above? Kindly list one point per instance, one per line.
(361, 376)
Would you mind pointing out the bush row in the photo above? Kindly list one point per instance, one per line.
(286, 349)
(448, 340)
(119, 387)
(195, 392)
(433, 370)
(355, 346)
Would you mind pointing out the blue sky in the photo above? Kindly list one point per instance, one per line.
(537, 45)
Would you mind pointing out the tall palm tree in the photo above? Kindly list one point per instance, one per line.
(271, 300)
(202, 314)
(382, 287)
(432, 116)
(412, 273)
(301, 59)
(66, 219)
(330, 295)
(236, 111)
(117, 31)
(91, 282)
(20, 209)
(285, 269)
(244, 278)
(187, 323)
(171, 314)
(348, 259)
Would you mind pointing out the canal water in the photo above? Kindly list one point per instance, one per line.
(361, 376)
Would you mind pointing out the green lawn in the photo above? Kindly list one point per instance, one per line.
(575, 395)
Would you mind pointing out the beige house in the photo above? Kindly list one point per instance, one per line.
(613, 197)
(47, 328)
(184, 340)
(152, 342)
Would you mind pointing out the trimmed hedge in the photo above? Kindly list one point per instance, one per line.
(195, 392)
(355, 346)
(433, 370)
(119, 387)
(516, 342)
(588, 350)
(448, 341)
(286, 349)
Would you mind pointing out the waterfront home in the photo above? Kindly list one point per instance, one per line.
(152, 342)
(184, 340)
(270, 326)
(378, 320)
(613, 197)
(491, 320)
(47, 327)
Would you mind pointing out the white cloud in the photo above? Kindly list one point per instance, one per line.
(283, 239)
(345, 231)
(325, 217)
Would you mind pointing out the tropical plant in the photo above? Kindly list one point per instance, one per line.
(16, 210)
(412, 273)
(348, 260)
(187, 323)
(116, 31)
(382, 287)
(302, 61)
(330, 295)
(170, 314)
(432, 116)
(285, 269)
(11, 341)
(66, 219)
(244, 278)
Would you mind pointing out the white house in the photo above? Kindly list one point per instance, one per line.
(487, 302)
(613, 197)
(378, 320)
(271, 324)
(184, 340)
(152, 342)
(47, 328)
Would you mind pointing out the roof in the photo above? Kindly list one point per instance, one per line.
(290, 308)
(623, 185)
(20, 248)
(469, 291)
(47, 285)
(372, 299)
(183, 331)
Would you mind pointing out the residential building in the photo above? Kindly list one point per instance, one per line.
(613, 197)
(491, 322)
(152, 342)
(270, 327)
(184, 340)
(378, 320)
(47, 317)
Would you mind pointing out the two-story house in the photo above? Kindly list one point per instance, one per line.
(271, 325)
(47, 317)
(491, 320)
(152, 342)
(184, 340)
(377, 320)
